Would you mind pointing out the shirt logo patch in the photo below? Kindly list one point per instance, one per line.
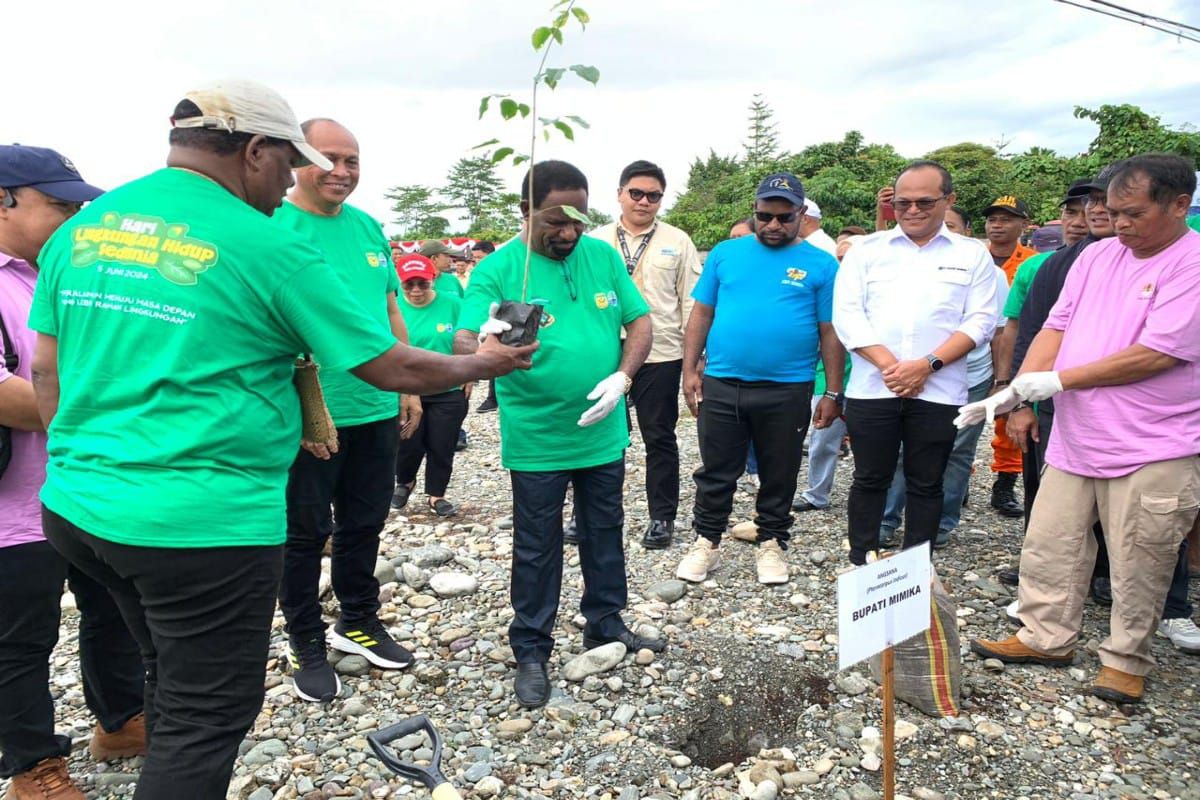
(606, 300)
(547, 317)
(668, 251)
(141, 241)
(442, 327)
(374, 259)
(1147, 291)
(796, 274)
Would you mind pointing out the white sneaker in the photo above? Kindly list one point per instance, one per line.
(701, 558)
(1182, 632)
(769, 562)
(1010, 611)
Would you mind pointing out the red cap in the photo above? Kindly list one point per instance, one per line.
(414, 265)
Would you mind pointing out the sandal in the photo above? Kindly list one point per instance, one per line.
(400, 496)
(442, 507)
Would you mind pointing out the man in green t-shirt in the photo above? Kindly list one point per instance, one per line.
(567, 426)
(442, 257)
(355, 479)
(169, 313)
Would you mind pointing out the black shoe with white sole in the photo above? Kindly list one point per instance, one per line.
(313, 678)
(371, 641)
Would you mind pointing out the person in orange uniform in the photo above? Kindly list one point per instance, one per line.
(1006, 220)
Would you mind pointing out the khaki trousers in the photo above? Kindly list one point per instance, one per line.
(1145, 515)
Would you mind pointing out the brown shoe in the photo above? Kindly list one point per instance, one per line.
(1118, 687)
(1013, 651)
(127, 742)
(48, 780)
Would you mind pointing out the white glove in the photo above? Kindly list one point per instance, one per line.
(607, 394)
(493, 326)
(1037, 386)
(1001, 402)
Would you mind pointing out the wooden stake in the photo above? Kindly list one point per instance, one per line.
(889, 727)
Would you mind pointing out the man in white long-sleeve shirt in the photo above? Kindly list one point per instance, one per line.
(909, 304)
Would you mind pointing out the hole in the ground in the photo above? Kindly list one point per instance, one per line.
(756, 704)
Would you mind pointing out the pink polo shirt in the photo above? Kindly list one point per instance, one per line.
(1112, 300)
(21, 520)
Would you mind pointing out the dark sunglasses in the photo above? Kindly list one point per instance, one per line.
(783, 219)
(413, 285)
(924, 204)
(637, 194)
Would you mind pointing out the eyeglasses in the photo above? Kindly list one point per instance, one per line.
(414, 285)
(637, 194)
(924, 204)
(783, 219)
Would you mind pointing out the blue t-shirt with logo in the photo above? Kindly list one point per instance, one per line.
(768, 302)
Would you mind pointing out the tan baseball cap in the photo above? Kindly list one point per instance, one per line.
(232, 104)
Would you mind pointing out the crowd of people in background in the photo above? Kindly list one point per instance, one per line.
(153, 330)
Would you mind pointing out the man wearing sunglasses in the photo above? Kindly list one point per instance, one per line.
(910, 304)
(664, 266)
(763, 308)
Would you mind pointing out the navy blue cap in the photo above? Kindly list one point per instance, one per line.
(783, 186)
(46, 170)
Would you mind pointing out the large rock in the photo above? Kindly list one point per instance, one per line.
(667, 591)
(355, 666)
(433, 555)
(384, 571)
(595, 661)
(453, 584)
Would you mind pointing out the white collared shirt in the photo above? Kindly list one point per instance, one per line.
(823, 240)
(911, 299)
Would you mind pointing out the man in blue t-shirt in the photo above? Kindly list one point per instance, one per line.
(764, 304)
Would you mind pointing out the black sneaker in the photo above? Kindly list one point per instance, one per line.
(488, 405)
(313, 678)
(463, 442)
(371, 641)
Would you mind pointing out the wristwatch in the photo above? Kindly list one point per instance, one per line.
(836, 397)
(935, 363)
(998, 384)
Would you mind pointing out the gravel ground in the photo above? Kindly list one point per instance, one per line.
(746, 701)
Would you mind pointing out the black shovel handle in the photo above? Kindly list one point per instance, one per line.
(432, 775)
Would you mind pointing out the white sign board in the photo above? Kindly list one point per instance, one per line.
(882, 604)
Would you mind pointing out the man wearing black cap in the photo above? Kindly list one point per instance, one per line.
(443, 261)
(763, 309)
(169, 313)
(39, 190)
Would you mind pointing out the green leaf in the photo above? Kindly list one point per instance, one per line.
(577, 215)
(560, 4)
(501, 154)
(483, 105)
(508, 108)
(561, 20)
(589, 74)
(565, 129)
(546, 134)
(557, 34)
(524, 109)
(541, 35)
(582, 16)
(580, 121)
(488, 143)
(552, 76)
(518, 160)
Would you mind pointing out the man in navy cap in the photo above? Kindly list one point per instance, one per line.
(39, 190)
(764, 306)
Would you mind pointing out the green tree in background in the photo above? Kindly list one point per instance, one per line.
(762, 146)
(418, 213)
(473, 186)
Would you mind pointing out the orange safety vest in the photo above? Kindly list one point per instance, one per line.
(1018, 255)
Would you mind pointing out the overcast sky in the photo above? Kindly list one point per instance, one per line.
(676, 77)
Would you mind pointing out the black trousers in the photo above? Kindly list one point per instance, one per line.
(655, 397)
(537, 560)
(433, 441)
(357, 482)
(877, 428)
(202, 619)
(774, 416)
(31, 585)
(1033, 461)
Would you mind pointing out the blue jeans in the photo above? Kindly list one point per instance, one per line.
(954, 482)
(824, 449)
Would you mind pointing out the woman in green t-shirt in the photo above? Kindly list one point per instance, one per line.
(430, 317)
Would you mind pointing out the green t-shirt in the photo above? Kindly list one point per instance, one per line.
(1194, 223)
(179, 311)
(354, 245)
(431, 327)
(819, 379)
(586, 299)
(447, 283)
(1021, 283)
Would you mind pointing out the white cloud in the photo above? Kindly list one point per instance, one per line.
(676, 76)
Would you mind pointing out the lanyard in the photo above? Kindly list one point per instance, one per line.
(631, 262)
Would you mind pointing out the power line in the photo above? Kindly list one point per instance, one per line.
(1179, 34)
(1144, 15)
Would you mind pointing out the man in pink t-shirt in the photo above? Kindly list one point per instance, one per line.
(1120, 354)
(39, 190)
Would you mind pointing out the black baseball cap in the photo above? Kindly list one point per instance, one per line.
(1009, 204)
(782, 186)
(1080, 189)
(46, 170)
